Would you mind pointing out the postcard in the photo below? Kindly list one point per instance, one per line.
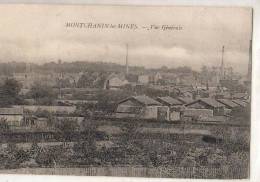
(125, 91)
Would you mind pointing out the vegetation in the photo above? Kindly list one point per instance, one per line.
(43, 94)
(4, 127)
(10, 93)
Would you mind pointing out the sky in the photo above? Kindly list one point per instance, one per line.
(37, 33)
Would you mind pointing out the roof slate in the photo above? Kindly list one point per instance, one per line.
(212, 102)
(170, 100)
(209, 101)
(185, 100)
(146, 100)
(240, 102)
(11, 111)
(228, 102)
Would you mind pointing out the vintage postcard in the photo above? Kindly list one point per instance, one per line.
(132, 91)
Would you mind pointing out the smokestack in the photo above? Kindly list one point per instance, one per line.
(222, 64)
(126, 60)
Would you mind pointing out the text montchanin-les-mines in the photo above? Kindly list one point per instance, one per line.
(122, 26)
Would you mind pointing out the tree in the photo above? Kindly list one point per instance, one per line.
(10, 92)
(86, 80)
(42, 94)
(4, 125)
(65, 127)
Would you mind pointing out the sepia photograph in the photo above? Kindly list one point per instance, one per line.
(125, 91)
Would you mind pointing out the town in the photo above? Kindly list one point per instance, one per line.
(67, 114)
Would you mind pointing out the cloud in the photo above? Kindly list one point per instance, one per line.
(37, 34)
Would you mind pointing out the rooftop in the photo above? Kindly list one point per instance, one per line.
(146, 100)
(170, 100)
(212, 102)
(143, 100)
(228, 102)
(240, 102)
(11, 111)
(209, 101)
(185, 100)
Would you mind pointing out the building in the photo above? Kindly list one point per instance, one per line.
(142, 107)
(175, 107)
(13, 116)
(143, 79)
(208, 103)
(196, 114)
(115, 82)
(155, 78)
(151, 78)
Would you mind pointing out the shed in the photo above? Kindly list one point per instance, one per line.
(13, 116)
(142, 107)
(208, 103)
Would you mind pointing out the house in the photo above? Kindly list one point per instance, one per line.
(208, 103)
(115, 81)
(155, 78)
(152, 78)
(28, 79)
(175, 107)
(143, 79)
(13, 116)
(142, 107)
(196, 114)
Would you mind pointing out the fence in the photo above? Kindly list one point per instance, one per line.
(172, 172)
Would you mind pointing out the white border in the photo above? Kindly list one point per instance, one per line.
(255, 125)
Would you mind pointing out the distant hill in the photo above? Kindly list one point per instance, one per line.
(83, 66)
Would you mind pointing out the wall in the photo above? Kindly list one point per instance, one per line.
(198, 112)
(175, 116)
(143, 79)
(68, 109)
(13, 120)
(150, 112)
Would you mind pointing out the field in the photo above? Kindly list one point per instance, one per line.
(134, 147)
